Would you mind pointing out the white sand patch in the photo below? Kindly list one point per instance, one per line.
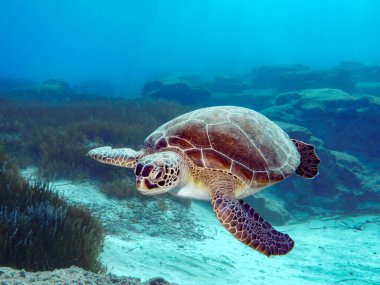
(327, 251)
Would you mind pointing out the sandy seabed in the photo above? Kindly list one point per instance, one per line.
(328, 250)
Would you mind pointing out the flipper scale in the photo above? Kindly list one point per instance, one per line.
(124, 157)
(247, 226)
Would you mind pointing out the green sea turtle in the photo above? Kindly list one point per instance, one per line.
(222, 154)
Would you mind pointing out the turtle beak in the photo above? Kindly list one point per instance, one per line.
(142, 185)
(145, 187)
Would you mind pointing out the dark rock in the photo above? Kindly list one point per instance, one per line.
(295, 131)
(272, 76)
(151, 88)
(72, 275)
(179, 91)
(7, 85)
(297, 77)
(226, 84)
(254, 99)
(343, 122)
(362, 72)
(344, 185)
(156, 281)
(344, 130)
(55, 85)
(370, 88)
(191, 78)
(49, 90)
(352, 65)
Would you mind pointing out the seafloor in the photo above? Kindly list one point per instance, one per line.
(47, 128)
(329, 249)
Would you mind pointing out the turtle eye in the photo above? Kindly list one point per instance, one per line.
(156, 174)
(138, 169)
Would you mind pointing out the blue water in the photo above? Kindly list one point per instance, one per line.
(80, 74)
(129, 41)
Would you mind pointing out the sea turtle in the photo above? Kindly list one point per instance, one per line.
(222, 154)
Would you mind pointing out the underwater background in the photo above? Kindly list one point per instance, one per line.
(75, 75)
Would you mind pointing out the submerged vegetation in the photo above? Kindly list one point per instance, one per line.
(40, 231)
(56, 138)
(120, 188)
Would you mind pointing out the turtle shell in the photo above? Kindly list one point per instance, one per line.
(233, 139)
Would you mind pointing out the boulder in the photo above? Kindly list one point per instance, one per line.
(254, 99)
(272, 76)
(342, 121)
(47, 91)
(345, 185)
(226, 84)
(180, 91)
(192, 78)
(362, 72)
(7, 84)
(296, 77)
(344, 130)
(370, 88)
(295, 131)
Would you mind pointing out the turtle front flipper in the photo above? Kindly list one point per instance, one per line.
(124, 157)
(247, 226)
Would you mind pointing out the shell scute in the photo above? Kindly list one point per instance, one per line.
(261, 178)
(240, 170)
(196, 156)
(232, 142)
(275, 175)
(151, 141)
(210, 117)
(180, 143)
(161, 144)
(214, 159)
(193, 131)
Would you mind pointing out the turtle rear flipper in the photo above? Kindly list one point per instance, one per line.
(124, 157)
(247, 226)
(309, 161)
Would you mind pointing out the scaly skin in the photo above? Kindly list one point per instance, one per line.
(242, 221)
(124, 157)
(245, 224)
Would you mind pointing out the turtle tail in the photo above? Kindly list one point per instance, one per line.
(309, 161)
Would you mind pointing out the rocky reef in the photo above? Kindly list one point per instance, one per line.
(344, 122)
(297, 76)
(48, 91)
(72, 275)
(175, 90)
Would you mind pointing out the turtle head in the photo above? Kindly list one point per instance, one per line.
(158, 173)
